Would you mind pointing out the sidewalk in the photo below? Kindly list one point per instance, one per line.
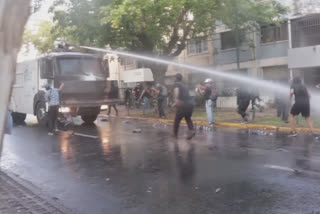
(225, 118)
(18, 196)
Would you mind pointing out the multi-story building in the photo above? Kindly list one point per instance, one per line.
(304, 54)
(198, 52)
(273, 52)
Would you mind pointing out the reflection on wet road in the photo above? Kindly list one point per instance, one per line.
(224, 171)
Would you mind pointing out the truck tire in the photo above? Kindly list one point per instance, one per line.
(41, 113)
(89, 118)
(18, 118)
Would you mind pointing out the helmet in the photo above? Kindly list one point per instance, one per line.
(208, 80)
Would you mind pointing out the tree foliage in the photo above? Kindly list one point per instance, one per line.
(78, 21)
(159, 27)
(43, 39)
(247, 14)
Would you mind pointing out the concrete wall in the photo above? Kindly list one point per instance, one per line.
(248, 54)
(305, 57)
(273, 50)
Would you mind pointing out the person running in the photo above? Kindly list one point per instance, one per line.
(210, 96)
(184, 107)
(243, 101)
(301, 105)
(162, 94)
(114, 94)
(52, 96)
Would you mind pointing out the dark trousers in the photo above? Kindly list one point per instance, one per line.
(185, 112)
(115, 108)
(283, 110)
(242, 107)
(52, 117)
(161, 104)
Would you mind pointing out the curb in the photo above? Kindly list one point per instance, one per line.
(224, 124)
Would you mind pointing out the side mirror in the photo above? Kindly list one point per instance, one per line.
(46, 70)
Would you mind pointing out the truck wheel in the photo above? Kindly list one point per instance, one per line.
(41, 113)
(89, 118)
(18, 118)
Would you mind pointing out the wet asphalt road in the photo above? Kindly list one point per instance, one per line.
(224, 171)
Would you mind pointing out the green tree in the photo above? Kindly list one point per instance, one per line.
(159, 27)
(45, 37)
(78, 21)
(243, 16)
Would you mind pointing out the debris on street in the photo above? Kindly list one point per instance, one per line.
(137, 131)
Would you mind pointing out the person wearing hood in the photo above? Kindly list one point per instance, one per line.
(52, 97)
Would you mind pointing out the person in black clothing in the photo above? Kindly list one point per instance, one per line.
(243, 101)
(301, 105)
(113, 94)
(127, 97)
(184, 107)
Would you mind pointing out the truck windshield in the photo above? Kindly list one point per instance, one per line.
(81, 66)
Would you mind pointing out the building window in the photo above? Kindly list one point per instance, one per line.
(273, 33)
(197, 46)
(306, 31)
(228, 39)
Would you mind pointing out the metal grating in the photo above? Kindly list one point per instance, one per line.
(306, 31)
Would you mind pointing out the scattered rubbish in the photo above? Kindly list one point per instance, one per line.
(55, 198)
(149, 189)
(85, 135)
(196, 187)
(104, 119)
(280, 168)
(282, 150)
(259, 132)
(205, 128)
(137, 131)
(218, 190)
(107, 179)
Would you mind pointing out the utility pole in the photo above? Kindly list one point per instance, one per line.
(237, 34)
(13, 17)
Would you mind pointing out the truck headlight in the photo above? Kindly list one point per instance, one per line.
(104, 107)
(64, 110)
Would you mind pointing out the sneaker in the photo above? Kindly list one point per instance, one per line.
(191, 135)
(50, 133)
(293, 134)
